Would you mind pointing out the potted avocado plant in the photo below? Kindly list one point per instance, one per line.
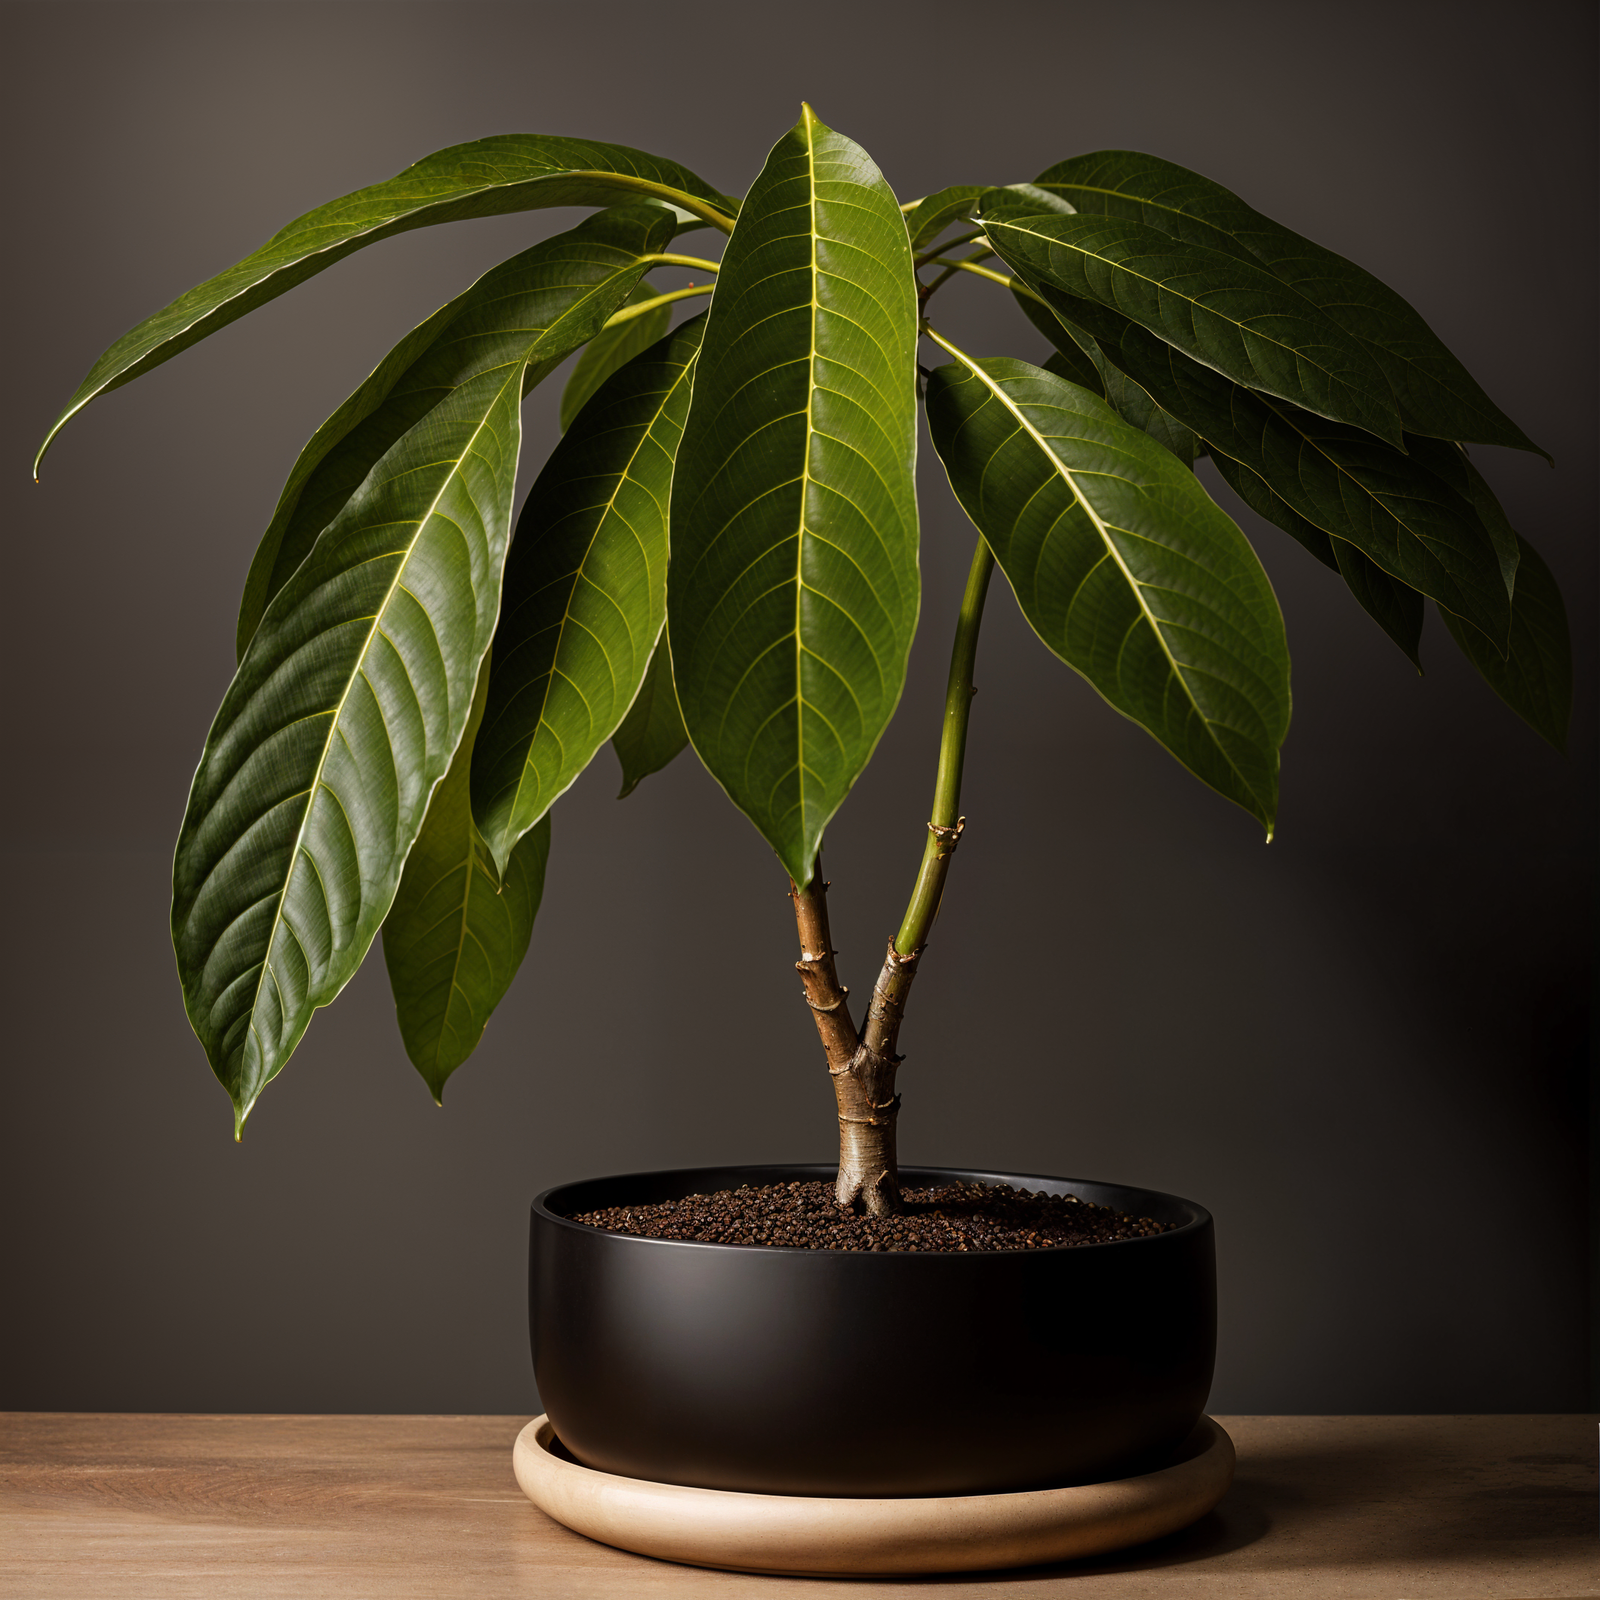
(721, 553)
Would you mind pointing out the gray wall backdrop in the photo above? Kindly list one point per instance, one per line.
(1361, 1047)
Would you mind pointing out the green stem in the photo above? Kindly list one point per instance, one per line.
(970, 264)
(640, 307)
(944, 249)
(945, 825)
(661, 191)
(667, 258)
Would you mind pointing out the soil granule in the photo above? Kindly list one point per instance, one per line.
(951, 1217)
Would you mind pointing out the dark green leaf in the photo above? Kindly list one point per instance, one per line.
(1078, 359)
(457, 933)
(1390, 507)
(1123, 566)
(793, 591)
(930, 217)
(1535, 679)
(1437, 395)
(585, 592)
(349, 705)
(614, 347)
(1223, 311)
(575, 273)
(652, 734)
(1020, 200)
(1394, 606)
(489, 177)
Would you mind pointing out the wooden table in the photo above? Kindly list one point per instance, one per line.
(1392, 1508)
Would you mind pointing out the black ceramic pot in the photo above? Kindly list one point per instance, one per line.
(835, 1372)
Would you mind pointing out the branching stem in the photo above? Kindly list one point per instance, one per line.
(639, 308)
(949, 245)
(670, 258)
(970, 264)
(946, 823)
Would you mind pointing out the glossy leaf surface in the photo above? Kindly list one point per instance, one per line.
(612, 348)
(1392, 508)
(1535, 677)
(457, 932)
(1221, 310)
(585, 592)
(576, 273)
(352, 698)
(793, 590)
(1123, 566)
(486, 178)
(652, 735)
(1436, 394)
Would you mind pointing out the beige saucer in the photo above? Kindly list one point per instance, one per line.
(799, 1534)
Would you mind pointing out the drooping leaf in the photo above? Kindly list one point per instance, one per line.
(930, 217)
(1396, 607)
(1535, 678)
(1216, 307)
(577, 271)
(793, 591)
(457, 932)
(1451, 463)
(1436, 394)
(351, 700)
(1070, 361)
(1079, 360)
(585, 592)
(612, 348)
(486, 178)
(652, 735)
(1392, 508)
(1123, 566)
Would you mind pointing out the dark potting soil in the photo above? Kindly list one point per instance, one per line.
(805, 1216)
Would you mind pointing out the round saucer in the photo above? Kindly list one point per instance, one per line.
(801, 1534)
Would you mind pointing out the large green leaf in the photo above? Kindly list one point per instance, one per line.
(489, 177)
(612, 348)
(577, 270)
(1436, 394)
(457, 932)
(1123, 566)
(794, 589)
(352, 698)
(1535, 677)
(1214, 306)
(585, 592)
(1394, 509)
(652, 735)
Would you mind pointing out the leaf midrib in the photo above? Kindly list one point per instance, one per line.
(514, 375)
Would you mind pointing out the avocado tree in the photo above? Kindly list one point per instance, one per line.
(722, 549)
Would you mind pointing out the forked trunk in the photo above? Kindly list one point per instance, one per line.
(863, 1064)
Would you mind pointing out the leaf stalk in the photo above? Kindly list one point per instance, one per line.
(641, 307)
(946, 824)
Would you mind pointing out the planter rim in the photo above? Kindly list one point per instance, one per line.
(1200, 1217)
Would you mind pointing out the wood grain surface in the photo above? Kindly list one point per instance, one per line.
(1363, 1508)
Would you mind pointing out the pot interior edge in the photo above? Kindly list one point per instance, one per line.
(562, 1201)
